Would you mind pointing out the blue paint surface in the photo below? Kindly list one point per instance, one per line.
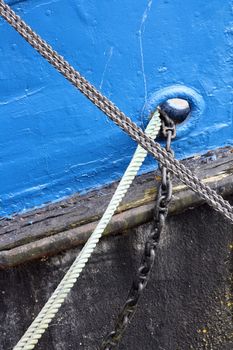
(54, 142)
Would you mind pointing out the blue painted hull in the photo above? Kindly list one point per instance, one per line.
(54, 142)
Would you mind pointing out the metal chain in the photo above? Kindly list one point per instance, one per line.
(143, 274)
(119, 118)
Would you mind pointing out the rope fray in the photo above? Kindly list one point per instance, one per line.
(118, 117)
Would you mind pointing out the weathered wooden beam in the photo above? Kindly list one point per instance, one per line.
(66, 224)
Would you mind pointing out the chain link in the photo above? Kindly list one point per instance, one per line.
(164, 196)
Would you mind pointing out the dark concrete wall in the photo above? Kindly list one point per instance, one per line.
(187, 303)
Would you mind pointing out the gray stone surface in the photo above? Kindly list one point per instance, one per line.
(187, 303)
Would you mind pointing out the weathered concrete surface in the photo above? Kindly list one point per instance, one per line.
(187, 304)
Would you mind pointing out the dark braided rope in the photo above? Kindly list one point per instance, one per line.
(106, 106)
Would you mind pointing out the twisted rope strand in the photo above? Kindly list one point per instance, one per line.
(41, 323)
(48, 312)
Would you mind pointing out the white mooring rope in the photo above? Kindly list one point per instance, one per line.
(41, 322)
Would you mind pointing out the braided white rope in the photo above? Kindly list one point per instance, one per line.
(41, 322)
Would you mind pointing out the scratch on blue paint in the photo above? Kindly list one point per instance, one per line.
(53, 142)
(20, 97)
(106, 66)
(141, 32)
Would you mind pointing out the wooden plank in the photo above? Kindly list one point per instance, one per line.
(66, 224)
